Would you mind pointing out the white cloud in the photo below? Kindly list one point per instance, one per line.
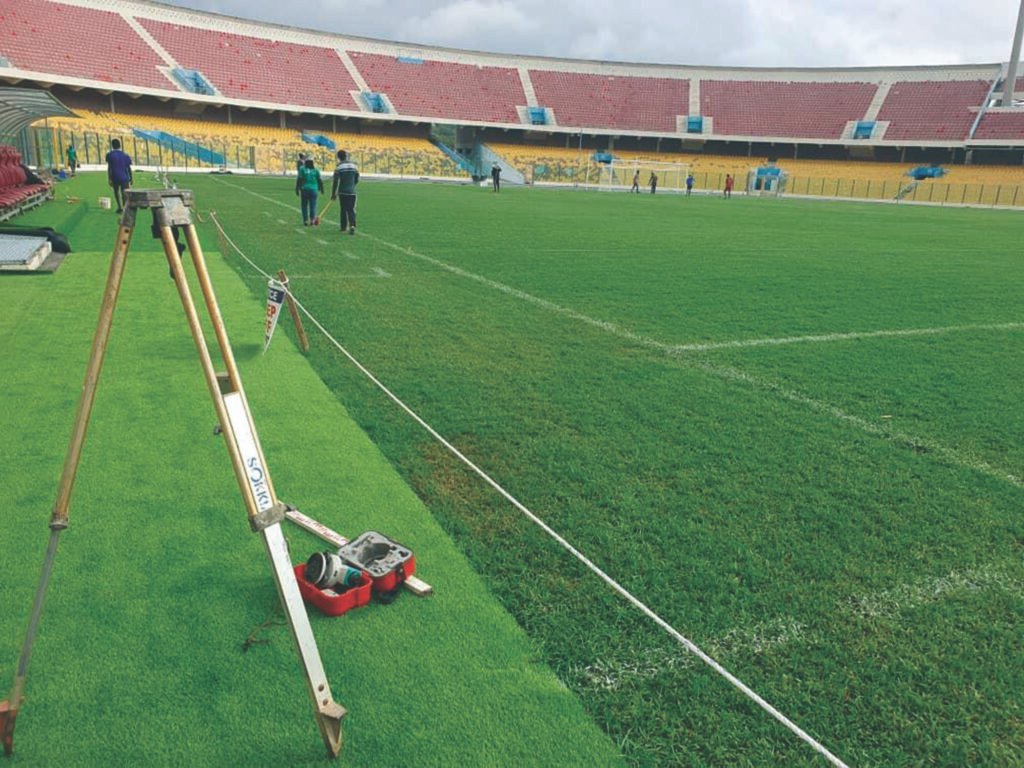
(461, 24)
(758, 33)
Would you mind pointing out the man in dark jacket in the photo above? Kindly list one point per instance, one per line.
(346, 176)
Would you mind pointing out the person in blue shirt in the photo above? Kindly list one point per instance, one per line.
(689, 183)
(119, 173)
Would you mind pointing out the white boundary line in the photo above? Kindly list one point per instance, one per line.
(675, 350)
(852, 336)
(622, 591)
(964, 460)
(780, 631)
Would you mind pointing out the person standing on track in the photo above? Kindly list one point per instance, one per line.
(346, 176)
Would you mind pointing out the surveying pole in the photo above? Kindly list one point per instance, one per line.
(172, 212)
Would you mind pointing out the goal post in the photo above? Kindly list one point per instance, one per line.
(766, 181)
(619, 174)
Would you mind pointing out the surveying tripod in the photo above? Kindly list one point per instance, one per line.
(172, 212)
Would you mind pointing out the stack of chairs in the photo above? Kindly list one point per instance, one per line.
(16, 194)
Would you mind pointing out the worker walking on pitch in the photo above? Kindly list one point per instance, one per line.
(119, 173)
(308, 185)
(346, 176)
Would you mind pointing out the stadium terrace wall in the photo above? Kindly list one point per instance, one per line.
(920, 114)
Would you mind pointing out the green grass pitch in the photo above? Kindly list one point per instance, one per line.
(791, 428)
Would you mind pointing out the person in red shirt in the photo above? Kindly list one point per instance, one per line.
(728, 185)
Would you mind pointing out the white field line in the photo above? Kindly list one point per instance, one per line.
(955, 457)
(562, 541)
(678, 349)
(829, 337)
(776, 633)
(674, 350)
(890, 603)
(966, 460)
(612, 674)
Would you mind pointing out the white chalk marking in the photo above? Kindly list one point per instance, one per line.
(884, 430)
(963, 460)
(776, 633)
(830, 337)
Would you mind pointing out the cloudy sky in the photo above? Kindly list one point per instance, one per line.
(797, 33)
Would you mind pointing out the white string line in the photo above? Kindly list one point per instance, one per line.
(688, 644)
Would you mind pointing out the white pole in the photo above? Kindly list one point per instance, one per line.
(1011, 68)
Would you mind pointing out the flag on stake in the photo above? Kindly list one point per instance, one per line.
(275, 298)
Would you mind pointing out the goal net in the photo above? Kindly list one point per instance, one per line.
(619, 174)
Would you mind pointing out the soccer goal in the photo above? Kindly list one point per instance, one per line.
(766, 181)
(618, 175)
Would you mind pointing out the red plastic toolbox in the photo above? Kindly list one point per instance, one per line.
(330, 602)
(387, 561)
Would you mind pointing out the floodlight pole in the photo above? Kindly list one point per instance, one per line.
(1011, 69)
(172, 210)
(579, 155)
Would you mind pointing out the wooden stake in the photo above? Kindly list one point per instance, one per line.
(303, 340)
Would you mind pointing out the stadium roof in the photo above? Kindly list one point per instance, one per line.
(20, 107)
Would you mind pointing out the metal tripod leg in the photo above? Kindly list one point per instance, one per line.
(172, 211)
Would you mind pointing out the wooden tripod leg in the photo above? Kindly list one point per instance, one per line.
(59, 517)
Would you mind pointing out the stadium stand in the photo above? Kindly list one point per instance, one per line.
(444, 89)
(868, 180)
(248, 91)
(77, 41)
(1000, 125)
(565, 164)
(272, 149)
(579, 99)
(932, 110)
(818, 110)
(259, 69)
